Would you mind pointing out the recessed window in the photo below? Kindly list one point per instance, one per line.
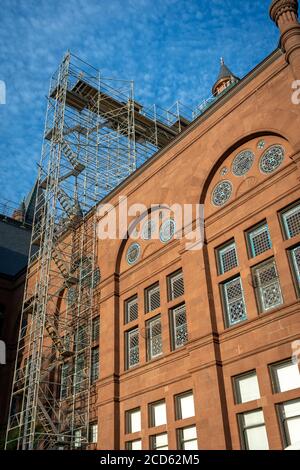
(227, 258)
(285, 376)
(65, 379)
(131, 309)
(253, 430)
(132, 348)
(79, 377)
(133, 421)
(134, 445)
(185, 407)
(159, 442)
(93, 433)
(267, 285)
(259, 240)
(289, 413)
(234, 302)
(179, 326)
(95, 365)
(81, 337)
(175, 285)
(154, 338)
(152, 298)
(96, 278)
(187, 438)
(294, 255)
(158, 413)
(246, 387)
(77, 438)
(95, 329)
(291, 221)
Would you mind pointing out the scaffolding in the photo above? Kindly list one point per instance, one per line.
(95, 136)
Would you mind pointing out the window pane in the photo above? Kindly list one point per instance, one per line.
(152, 298)
(259, 240)
(291, 220)
(94, 433)
(95, 329)
(131, 307)
(176, 286)
(267, 285)
(135, 421)
(77, 438)
(95, 365)
(180, 333)
(188, 438)
(253, 418)
(189, 433)
(234, 301)
(292, 409)
(191, 445)
(160, 441)
(257, 438)
(159, 414)
(288, 376)
(295, 255)
(186, 406)
(136, 445)
(293, 425)
(154, 338)
(248, 388)
(133, 347)
(227, 258)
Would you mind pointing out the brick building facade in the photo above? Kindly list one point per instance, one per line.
(195, 345)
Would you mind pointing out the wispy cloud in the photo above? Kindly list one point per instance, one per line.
(170, 48)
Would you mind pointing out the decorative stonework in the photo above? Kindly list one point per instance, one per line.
(246, 185)
(271, 159)
(222, 193)
(224, 171)
(242, 163)
(133, 253)
(167, 230)
(261, 144)
(278, 7)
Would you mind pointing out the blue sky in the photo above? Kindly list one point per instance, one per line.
(170, 48)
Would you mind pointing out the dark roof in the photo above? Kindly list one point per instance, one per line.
(14, 246)
(224, 72)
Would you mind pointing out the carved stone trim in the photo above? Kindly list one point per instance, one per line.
(278, 7)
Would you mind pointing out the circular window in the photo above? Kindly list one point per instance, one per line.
(167, 230)
(148, 229)
(271, 159)
(242, 163)
(133, 253)
(222, 193)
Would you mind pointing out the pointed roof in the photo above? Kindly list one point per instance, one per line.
(224, 73)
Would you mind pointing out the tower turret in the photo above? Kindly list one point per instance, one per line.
(285, 14)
